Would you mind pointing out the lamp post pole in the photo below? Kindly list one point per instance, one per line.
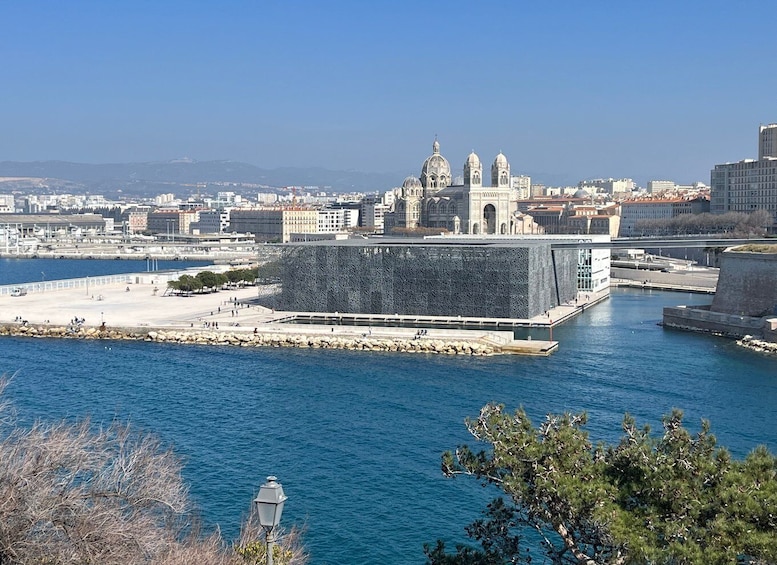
(269, 506)
(270, 538)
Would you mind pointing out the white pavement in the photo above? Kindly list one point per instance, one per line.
(141, 305)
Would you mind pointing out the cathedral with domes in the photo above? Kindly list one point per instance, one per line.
(432, 201)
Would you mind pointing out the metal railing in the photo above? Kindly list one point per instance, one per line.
(87, 283)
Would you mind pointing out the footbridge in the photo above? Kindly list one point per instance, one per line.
(654, 242)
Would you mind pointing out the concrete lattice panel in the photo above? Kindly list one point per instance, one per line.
(435, 280)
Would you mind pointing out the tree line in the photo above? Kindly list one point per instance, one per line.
(208, 281)
(735, 224)
(677, 498)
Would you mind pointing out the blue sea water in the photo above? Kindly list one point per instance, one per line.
(15, 271)
(356, 437)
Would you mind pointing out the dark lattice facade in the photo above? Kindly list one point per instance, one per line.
(494, 281)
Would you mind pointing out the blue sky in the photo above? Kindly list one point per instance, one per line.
(566, 90)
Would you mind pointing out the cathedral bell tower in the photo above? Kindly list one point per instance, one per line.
(500, 172)
(473, 172)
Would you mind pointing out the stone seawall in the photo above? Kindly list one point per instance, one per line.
(703, 320)
(746, 285)
(248, 339)
(745, 298)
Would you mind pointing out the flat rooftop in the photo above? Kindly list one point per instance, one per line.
(473, 241)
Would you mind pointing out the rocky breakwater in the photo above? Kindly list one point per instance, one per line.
(79, 332)
(322, 342)
(754, 344)
(248, 339)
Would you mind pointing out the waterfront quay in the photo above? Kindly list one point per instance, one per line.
(547, 320)
(138, 306)
(213, 247)
(680, 277)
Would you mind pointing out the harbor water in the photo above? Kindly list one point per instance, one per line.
(16, 271)
(356, 437)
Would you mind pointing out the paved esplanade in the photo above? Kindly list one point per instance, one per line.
(146, 305)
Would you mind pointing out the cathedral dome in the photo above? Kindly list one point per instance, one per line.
(411, 182)
(473, 160)
(581, 194)
(436, 171)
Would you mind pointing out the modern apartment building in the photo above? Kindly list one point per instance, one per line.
(610, 186)
(137, 221)
(372, 210)
(209, 222)
(336, 220)
(522, 186)
(7, 204)
(767, 141)
(659, 186)
(748, 185)
(171, 222)
(274, 224)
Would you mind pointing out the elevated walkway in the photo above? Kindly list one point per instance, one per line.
(650, 285)
(551, 318)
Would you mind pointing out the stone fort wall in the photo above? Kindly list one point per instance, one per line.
(434, 280)
(747, 284)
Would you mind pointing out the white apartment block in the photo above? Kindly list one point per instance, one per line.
(748, 185)
(96, 201)
(767, 141)
(610, 186)
(164, 199)
(337, 220)
(223, 200)
(274, 224)
(7, 204)
(267, 198)
(659, 186)
(522, 186)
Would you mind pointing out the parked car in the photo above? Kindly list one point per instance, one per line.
(18, 291)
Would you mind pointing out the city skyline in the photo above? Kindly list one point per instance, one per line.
(655, 91)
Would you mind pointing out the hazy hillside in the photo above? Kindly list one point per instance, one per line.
(140, 178)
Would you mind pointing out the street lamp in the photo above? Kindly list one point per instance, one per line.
(269, 506)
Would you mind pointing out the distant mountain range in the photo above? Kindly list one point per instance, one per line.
(153, 178)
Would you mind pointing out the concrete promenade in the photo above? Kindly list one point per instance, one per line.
(652, 285)
(696, 279)
(143, 305)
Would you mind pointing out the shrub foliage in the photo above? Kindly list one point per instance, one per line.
(677, 498)
(86, 494)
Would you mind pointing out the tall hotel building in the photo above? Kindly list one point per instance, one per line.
(748, 185)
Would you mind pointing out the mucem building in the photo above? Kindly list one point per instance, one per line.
(490, 280)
